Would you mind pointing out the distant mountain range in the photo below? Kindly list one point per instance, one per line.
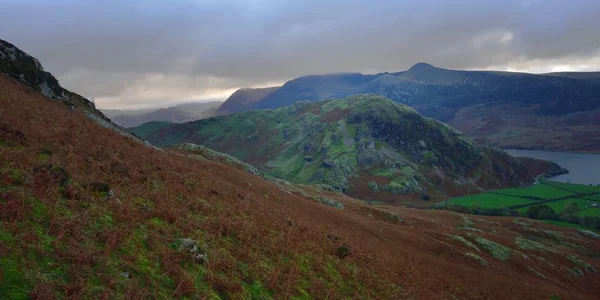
(593, 76)
(365, 145)
(179, 113)
(557, 111)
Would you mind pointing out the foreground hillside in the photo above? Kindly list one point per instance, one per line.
(364, 145)
(511, 110)
(88, 213)
(180, 113)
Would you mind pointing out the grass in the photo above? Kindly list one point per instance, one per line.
(15, 285)
(528, 244)
(566, 224)
(478, 258)
(582, 263)
(464, 241)
(388, 173)
(577, 187)
(258, 291)
(592, 212)
(542, 191)
(489, 201)
(521, 199)
(561, 205)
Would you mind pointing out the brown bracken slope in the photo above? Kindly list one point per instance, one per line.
(107, 228)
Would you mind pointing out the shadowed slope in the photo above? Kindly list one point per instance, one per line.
(244, 99)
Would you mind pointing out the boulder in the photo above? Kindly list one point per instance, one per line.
(57, 173)
(101, 189)
(198, 254)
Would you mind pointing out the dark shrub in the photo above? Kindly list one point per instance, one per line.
(342, 251)
(542, 212)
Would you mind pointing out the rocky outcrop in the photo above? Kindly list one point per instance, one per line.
(191, 246)
(29, 71)
(212, 155)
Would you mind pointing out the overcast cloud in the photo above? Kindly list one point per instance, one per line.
(131, 54)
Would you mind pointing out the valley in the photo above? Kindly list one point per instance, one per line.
(185, 112)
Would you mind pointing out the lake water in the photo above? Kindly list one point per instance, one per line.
(583, 168)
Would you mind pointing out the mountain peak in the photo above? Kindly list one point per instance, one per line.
(422, 66)
(424, 72)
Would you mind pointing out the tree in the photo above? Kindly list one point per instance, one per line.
(570, 213)
(542, 212)
(589, 221)
(572, 208)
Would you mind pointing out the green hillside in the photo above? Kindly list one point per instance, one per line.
(365, 145)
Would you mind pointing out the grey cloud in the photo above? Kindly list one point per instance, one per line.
(129, 53)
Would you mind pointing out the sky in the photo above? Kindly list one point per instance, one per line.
(130, 54)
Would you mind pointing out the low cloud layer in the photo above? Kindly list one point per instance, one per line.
(131, 54)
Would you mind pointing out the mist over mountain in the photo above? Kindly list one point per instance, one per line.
(180, 113)
(244, 99)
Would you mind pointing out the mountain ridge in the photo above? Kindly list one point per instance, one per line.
(529, 107)
(244, 98)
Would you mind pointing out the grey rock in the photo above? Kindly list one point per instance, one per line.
(329, 202)
(589, 234)
(198, 254)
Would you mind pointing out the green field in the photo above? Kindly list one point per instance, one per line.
(592, 212)
(490, 201)
(544, 191)
(564, 224)
(575, 187)
(555, 195)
